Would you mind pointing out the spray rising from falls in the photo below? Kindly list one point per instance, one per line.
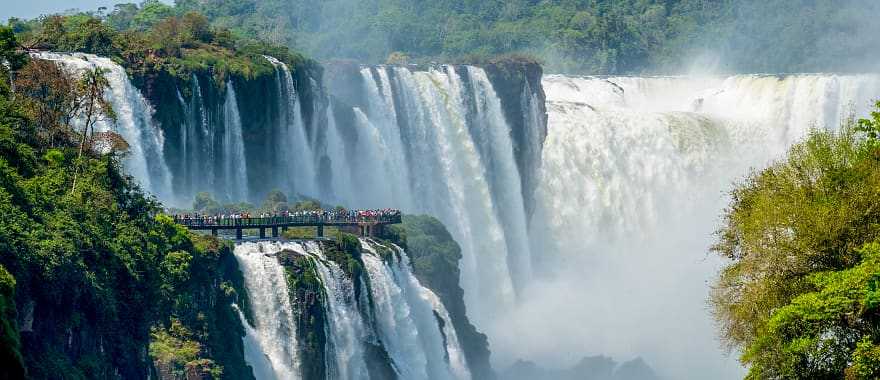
(632, 182)
(394, 314)
(145, 160)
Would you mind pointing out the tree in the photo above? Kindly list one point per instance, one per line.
(92, 107)
(205, 203)
(799, 295)
(275, 201)
(49, 96)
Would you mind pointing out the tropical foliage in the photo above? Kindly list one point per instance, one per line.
(582, 36)
(90, 271)
(153, 38)
(800, 295)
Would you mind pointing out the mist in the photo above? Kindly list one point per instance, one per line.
(634, 177)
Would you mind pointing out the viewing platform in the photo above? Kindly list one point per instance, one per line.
(366, 223)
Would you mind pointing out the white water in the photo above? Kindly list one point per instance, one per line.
(404, 311)
(234, 168)
(145, 160)
(347, 331)
(405, 323)
(196, 145)
(444, 148)
(296, 156)
(633, 179)
(253, 350)
(275, 328)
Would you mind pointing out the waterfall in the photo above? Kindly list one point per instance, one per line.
(346, 332)
(407, 324)
(196, 144)
(145, 160)
(406, 315)
(275, 327)
(341, 185)
(253, 350)
(631, 185)
(296, 155)
(234, 170)
(436, 142)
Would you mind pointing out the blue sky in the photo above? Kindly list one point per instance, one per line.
(34, 8)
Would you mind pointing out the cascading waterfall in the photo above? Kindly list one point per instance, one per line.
(295, 150)
(407, 315)
(274, 329)
(347, 330)
(145, 160)
(341, 184)
(437, 142)
(630, 188)
(234, 168)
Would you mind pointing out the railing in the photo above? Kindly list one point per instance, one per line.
(290, 220)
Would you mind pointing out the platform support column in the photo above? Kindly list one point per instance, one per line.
(274, 231)
(238, 233)
(262, 233)
(320, 230)
(214, 231)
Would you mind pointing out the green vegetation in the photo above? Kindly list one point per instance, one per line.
(581, 36)
(90, 272)
(151, 39)
(800, 295)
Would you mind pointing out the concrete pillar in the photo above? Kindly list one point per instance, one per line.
(238, 233)
(320, 230)
(214, 231)
(262, 233)
(274, 231)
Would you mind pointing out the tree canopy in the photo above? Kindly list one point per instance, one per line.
(574, 36)
(800, 294)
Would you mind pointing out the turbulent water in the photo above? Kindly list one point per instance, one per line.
(632, 183)
(399, 315)
(145, 160)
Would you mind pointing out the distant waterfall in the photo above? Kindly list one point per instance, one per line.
(437, 142)
(632, 182)
(145, 160)
(294, 149)
(407, 325)
(234, 168)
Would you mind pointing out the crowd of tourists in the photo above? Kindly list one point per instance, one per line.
(305, 216)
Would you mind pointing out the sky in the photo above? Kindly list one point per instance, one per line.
(33, 8)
